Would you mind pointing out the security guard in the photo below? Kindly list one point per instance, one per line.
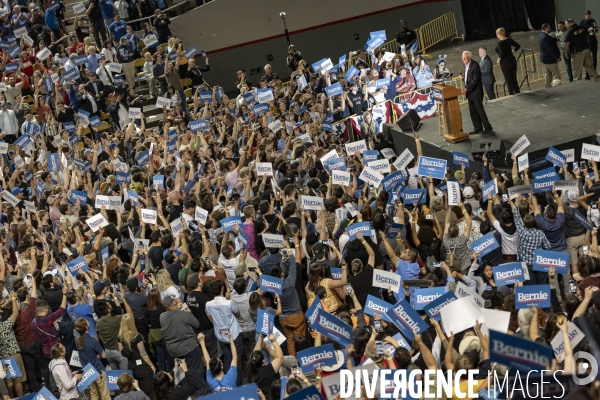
(578, 48)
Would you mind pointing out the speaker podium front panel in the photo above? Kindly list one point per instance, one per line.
(448, 96)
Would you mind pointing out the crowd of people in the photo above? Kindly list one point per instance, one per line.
(195, 257)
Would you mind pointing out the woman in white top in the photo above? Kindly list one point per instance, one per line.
(109, 52)
(66, 381)
(148, 73)
(165, 284)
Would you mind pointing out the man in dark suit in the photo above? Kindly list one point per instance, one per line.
(473, 90)
(87, 101)
(549, 55)
(487, 73)
(96, 88)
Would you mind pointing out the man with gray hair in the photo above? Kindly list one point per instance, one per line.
(473, 90)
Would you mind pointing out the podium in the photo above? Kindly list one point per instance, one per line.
(448, 96)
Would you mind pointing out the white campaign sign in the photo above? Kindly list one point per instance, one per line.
(381, 166)
(96, 222)
(386, 280)
(264, 168)
(590, 152)
(312, 203)
(519, 145)
(148, 216)
(570, 154)
(201, 215)
(388, 153)
(463, 290)
(495, 320)
(558, 342)
(275, 126)
(135, 113)
(115, 68)
(368, 175)
(331, 154)
(358, 146)
(163, 101)
(459, 315)
(340, 178)
(453, 193)
(150, 40)
(176, 227)
(523, 162)
(403, 160)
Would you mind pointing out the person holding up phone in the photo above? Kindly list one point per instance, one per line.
(215, 375)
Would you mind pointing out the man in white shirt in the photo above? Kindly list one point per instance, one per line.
(223, 313)
(8, 123)
(104, 74)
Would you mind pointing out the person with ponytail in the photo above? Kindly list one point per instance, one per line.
(259, 373)
(164, 384)
(66, 381)
(131, 345)
(89, 349)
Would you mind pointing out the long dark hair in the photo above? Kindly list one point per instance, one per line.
(315, 274)
(163, 385)
(256, 361)
(154, 299)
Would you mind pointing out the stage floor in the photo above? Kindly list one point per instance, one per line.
(551, 117)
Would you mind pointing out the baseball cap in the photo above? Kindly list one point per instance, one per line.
(312, 238)
(51, 199)
(112, 146)
(468, 192)
(573, 195)
(16, 191)
(99, 286)
(87, 152)
(318, 249)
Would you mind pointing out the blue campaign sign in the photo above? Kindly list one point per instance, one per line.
(333, 327)
(406, 319)
(43, 394)
(80, 60)
(133, 197)
(89, 375)
(23, 141)
(143, 158)
(393, 231)
(69, 127)
(172, 134)
(122, 177)
(538, 164)
(544, 259)
(28, 175)
(247, 392)
(249, 98)
(507, 274)
(383, 82)
(369, 155)
(317, 66)
(309, 359)
(82, 114)
(533, 295)
(11, 368)
(334, 89)
(375, 305)
(352, 72)
(310, 392)
(489, 189)
(198, 126)
(205, 96)
(73, 139)
(410, 196)
(78, 195)
(243, 238)
(70, 74)
(95, 121)
(485, 244)
(543, 185)
(14, 51)
(264, 322)
(53, 163)
(335, 164)
(189, 184)
(433, 309)
(118, 80)
(336, 273)
(556, 157)
(105, 255)
(260, 108)
(77, 265)
(432, 166)
(519, 353)
(391, 180)
(422, 297)
(311, 313)
(11, 68)
(191, 52)
(376, 34)
(113, 376)
(271, 284)
(548, 173)
(581, 220)
(460, 158)
(359, 227)
(228, 224)
(49, 86)
(158, 181)
(172, 145)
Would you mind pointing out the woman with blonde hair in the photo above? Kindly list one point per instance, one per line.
(507, 60)
(131, 345)
(89, 349)
(165, 284)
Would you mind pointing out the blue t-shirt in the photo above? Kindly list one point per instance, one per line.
(118, 30)
(107, 9)
(91, 349)
(227, 382)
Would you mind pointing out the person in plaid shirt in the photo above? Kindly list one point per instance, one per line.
(43, 324)
(530, 239)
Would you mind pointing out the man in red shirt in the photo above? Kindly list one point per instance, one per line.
(31, 348)
(43, 324)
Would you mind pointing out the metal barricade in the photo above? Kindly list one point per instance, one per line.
(437, 30)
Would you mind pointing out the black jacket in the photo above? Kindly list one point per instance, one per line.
(487, 70)
(473, 82)
(549, 52)
(90, 88)
(85, 104)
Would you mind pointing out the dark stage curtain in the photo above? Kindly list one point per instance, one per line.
(540, 11)
(478, 20)
(483, 17)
